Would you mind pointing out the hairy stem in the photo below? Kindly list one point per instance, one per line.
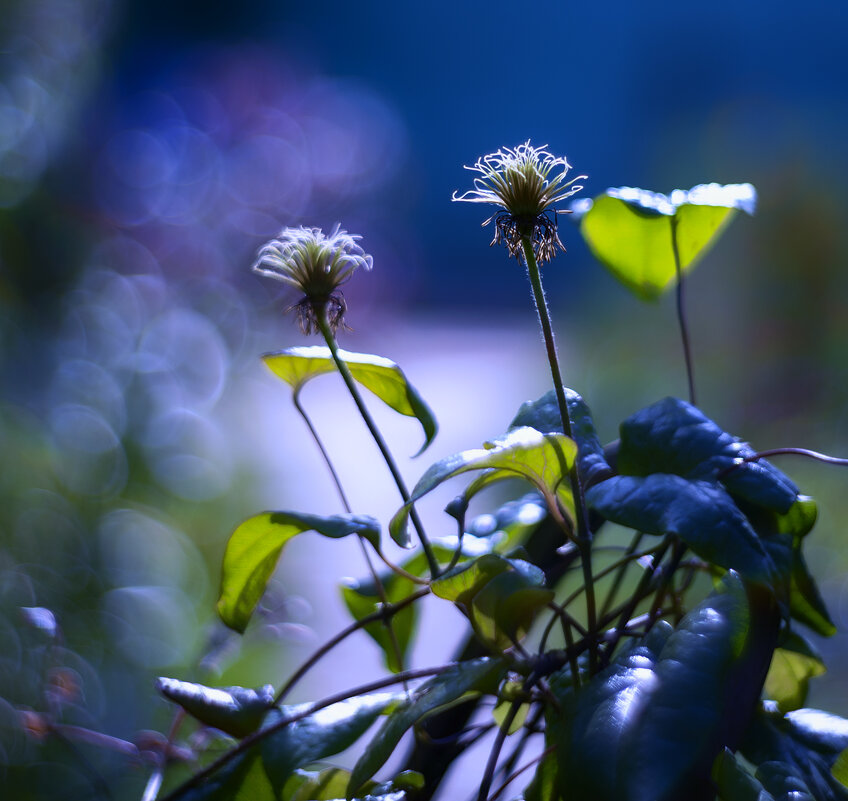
(681, 313)
(330, 339)
(584, 534)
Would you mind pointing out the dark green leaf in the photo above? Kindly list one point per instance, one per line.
(734, 783)
(701, 513)
(234, 710)
(544, 786)
(464, 581)
(651, 725)
(324, 785)
(255, 546)
(542, 459)
(630, 230)
(672, 436)
(543, 415)
(805, 602)
(783, 782)
(322, 734)
(513, 521)
(806, 742)
(478, 675)
(381, 376)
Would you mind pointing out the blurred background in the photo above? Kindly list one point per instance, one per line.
(148, 149)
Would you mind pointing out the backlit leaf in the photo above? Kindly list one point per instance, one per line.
(630, 230)
(255, 546)
(542, 459)
(296, 366)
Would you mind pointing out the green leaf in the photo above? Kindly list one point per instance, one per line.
(362, 599)
(297, 366)
(501, 711)
(324, 785)
(805, 601)
(672, 436)
(477, 675)
(255, 546)
(806, 742)
(542, 459)
(783, 782)
(839, 771)
(243, 779)
(544, 784)
(322, 734)
(234, 710)
(734, 783)
(543, 415)
(793, 664)
(701, 513)
(630, 230)
(503, 610)
(651, 724)
(463, 582)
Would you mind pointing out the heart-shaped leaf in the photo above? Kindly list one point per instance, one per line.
(255, 546)
(630, 230)
(296, 366)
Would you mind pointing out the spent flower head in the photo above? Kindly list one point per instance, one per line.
(526, 183)
(317, 265)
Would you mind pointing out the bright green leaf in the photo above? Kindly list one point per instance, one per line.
(793, 664)
(477, 675)
(839, 771)
(543, 414)
(243, 779)
(630, 230)
(322, 734)
(234, 710)
(503, 610)
(324, 785)
(255, 546)
(462, 582)
(542, 459)
(501, 711)
(296, 366)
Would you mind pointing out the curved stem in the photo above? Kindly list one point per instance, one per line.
(329, 337)
(328, 646)
(820, 457)
(681, 313)
(584, 534)
(619, 578)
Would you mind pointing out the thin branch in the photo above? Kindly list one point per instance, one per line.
(681, 313)
(248, 742)
(375, 617)
(526, 766)
(495, 753)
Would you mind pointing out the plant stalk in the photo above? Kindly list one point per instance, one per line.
(681, 313)
(584, 534)
(329, 337)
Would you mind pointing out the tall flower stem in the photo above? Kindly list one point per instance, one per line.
(681, 313)
(350, 383)
(584, 534)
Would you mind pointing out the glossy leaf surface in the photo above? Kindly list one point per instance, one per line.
(478, 675)
(701, 513)
(542, 459)
(255, 546)
(630, 230)
(651, 725)
(298, 365)
(235, 710)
